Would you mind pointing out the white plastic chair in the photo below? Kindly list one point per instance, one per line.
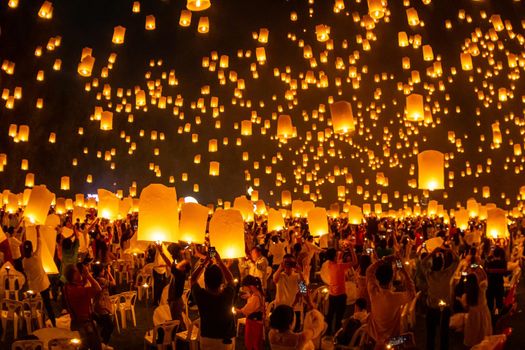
(191, 334)
(12, 283)
(144, 284)
(10, 311)
(162, 336)
(64, 344)
(27, 345)
(127, 302)
(33, 311)
(115, 301)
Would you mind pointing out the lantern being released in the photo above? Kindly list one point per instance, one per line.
(227, 233)
(342, 117)
(317, 222)
(245, 206)
(193, 220)
(275, 220)
(108, 204)
(431, 170)
(158, 214)
(38, 205)
(496, 223)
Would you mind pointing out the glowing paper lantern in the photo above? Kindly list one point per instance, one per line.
(106, 121)
(198, 5)
(322, 32)
(150, 22)
(64, 183)
(85, 67)
(275, 220)
(297, 208)
(12, 203)
(496, 223)
(119, 33)
(185, 18)
(462, 218)
(466, 61)
(317, 222)
(124, 207)
(79, 213)
(227, 233)
(431, 170)
(472, 208)
(38, 205)
(284, 127)
(342, 117)
(30, 180)
(204, 25)
(376, 9)
(286, 198)
(214, 168)
(193, 220)
(245, 206)
(415, 107)
(108, 204)
(158, 214)
(355, 216)
(46, 10)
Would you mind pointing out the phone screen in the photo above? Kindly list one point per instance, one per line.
(399, 264)
(212, 252)
(302, 287)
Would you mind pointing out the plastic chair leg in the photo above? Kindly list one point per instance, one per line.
(123, 318)
(133, 316)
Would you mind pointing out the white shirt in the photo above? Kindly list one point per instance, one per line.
(287, 289)
(37, 279)
(277, 250)
(14, 245)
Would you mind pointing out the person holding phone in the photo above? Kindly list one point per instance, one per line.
(287, 279)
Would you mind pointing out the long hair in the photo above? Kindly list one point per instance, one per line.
(253, 281)
(472, 289)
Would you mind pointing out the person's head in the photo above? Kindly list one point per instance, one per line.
(282, 318)
(365, 261)
(213, 277)
(97, 270)
(384, 275)
(27, 249)
(67, 243)
(175, 250)
(331, 254)
(499, 253)
(437, 262)
(310, 238)
(72, 274)
(275, 239)
(289, 263)
(472, 289)
(255, 253)
(253, 283)
(360, 304)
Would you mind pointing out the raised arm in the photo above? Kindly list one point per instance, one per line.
(198, 271)
(164, 257)
(225, 271)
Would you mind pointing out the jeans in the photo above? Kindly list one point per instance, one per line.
(46, 299)
(495, 295)
(105, 326)
(336, 310)
(437, 318)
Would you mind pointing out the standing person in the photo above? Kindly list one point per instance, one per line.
(336, 289)
(254, 312)
(439, 299)
(70, 246)
(257, 265)
(215, 305)
(384, 320)
(478, 322)
(159, 275)
(37, 279)
(78, 299)
(102, 305)
(14, 245)
(286, 279)
(179, 272)
(496, 268)
(277, 249)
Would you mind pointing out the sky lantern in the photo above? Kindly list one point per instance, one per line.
(355, 215)
(431, 171)
(158, 214)
(462, 218)
(227, 233)
(263, 35)
(466, 61)
(85, 67)
(214, 168)
(472, 207)
(46, 10)
(108, 204)
(297, 208)
(245, 207)
(286, 198)
(260, 54)
(11, 203)
(275, 220)
(23, 133)
(284, 127)
(342, 117)
(119, 33)
(185, 18)
(497, 223)
(64, 183)
(376, 9)
(30, 180)
(317, 222)
(415, 107)
(246, 128)
(412, 16)
(322, 32)
(204, 25)
(38, 205)
(193, 221)
(106, 121)
(198, 5)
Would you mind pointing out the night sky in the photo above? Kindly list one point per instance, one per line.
(68, 106)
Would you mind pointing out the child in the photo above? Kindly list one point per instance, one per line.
(254, 312)
(360, 312)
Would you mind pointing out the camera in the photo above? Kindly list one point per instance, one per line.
(212, 252)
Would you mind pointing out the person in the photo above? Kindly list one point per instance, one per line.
(179, 272)
(336, 289)
(215, 304)
(282, 337)
(37, 279)
(254, 313)
(360, 311)
(70, 246)
(277, 250)
(365, 261)
(439, 295)
(478, 322)
(257, 265)
(102, 305)
(77, 298)
(159, 275)
(353, 323)
(14, 245)
(496, 268)
(384, 320)
(286, 279)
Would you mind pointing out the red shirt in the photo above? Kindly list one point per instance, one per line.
(337, 278)
(78, 299)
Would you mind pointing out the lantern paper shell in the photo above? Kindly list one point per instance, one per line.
(198, 5)
(108, 205)
(496, 223)
(415, 107)
(125, 207)
(245, 206)
(317, 222)
(275, 220)
(431, 170)
(38, 205)
(48, 262)
(462, 217)
(193, 220)
(342, 117)
(79, 213)
(118, 35)
(85, 67)
(158, 214)
(355, 215)
(227, 233)
(284, 127)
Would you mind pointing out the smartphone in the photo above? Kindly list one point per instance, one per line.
(369, 251)
(424, 245)
(302, 288)
(399, 264)
(212, 252)
(474, 266)
(400, 340)
(464, 273)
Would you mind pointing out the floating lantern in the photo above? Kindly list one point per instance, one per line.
(415, 107)
(108, 204)
(227, 233)
(246, 127)
(322, 32)
(317, 222)
(64, 183)
(245, 206)
(275, 220)
(497, 223)
(193, 221)
(38, 205)
(431, 173)
(46, 10)
(85, 67)
(30, 180)
(214, 168)
(466, 61)
(284, 127)
(204, 25)
(106, 121)
(355, 215)
(376, 9)
(158, 214)
(198, 5)
(342, 117)
(185, 18)
(286, 198)
(150, 22)
(119, 33)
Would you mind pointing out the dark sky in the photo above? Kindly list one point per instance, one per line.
(90, 23)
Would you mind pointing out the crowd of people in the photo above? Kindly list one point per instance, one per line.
(362, 285)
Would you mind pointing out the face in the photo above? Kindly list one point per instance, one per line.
(289, 264)
(255, 254)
